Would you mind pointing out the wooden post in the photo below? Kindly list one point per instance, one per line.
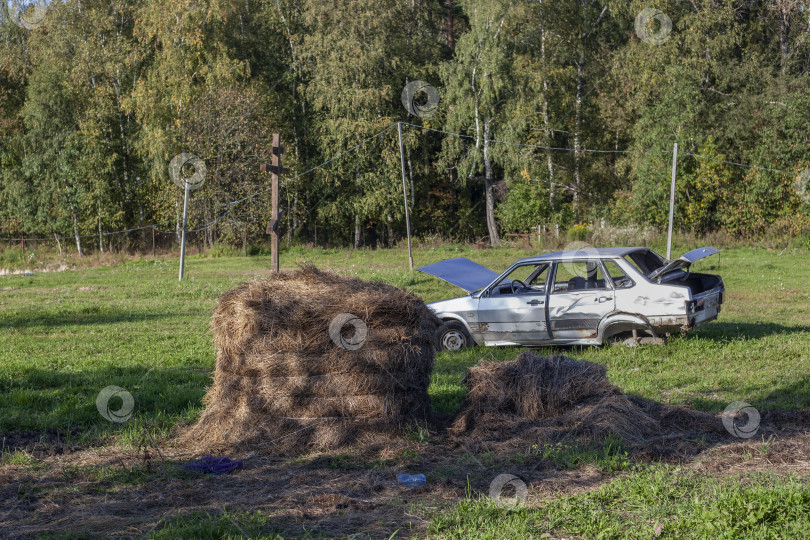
(22, 245)
(275, 170)
(153, 241)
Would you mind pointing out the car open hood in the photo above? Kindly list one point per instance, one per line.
(461, 272)
(684, 261)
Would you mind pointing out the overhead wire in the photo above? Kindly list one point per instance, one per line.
(380, 133)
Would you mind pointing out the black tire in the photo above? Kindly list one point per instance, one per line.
(453, 336)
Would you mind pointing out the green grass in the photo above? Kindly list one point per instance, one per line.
(16, 457)
(138, 328)
(198, 525)
(230, 526)
(652, 501)
(610, 457)
(66, 336)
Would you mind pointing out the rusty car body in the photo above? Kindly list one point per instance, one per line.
(583, 297)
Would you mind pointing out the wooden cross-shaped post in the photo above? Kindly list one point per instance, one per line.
(275, 170)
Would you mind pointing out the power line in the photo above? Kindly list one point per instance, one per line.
(341, 154)
(48, 239)
(792, 173)
(332, 188)
(232, 203)
(540, 147)
(385, 130)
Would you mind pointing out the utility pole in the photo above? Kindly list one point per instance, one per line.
(183, 238)
(672, 200)
(275, 170)
(188, 184)
(405, 194)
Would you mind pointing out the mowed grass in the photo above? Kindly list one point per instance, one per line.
(656, 501)
(66, 336)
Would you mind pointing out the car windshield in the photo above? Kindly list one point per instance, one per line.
(645, 261)
(525, 279)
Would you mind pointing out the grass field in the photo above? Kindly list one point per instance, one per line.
(65, 336)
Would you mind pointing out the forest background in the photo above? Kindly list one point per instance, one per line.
(559, 112)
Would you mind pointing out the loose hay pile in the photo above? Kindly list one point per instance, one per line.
(556, 397)
(312, 360)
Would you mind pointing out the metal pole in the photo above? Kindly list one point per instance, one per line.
(672, 200)
(183, 238)
(276, 161)
(405, 194)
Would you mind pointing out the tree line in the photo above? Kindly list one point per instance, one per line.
(549, 113)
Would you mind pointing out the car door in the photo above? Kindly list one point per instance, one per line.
(513, 311)
(579, 298)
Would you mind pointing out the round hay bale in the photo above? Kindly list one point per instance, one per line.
(312, 360)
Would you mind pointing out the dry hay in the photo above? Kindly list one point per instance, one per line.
(556, 397)
(282, 384)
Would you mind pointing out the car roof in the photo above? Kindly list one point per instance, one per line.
(585, 253)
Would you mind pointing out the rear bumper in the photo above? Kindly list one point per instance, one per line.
(705, 308)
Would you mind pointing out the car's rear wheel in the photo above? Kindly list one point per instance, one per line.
(638, 337)
(453, 336)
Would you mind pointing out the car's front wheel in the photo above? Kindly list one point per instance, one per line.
(453, 336)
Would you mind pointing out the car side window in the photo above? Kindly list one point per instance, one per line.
(617, 275)
(572, 276)
(525, 279)
(644, 261)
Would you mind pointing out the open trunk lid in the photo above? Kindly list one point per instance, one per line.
(462, 273)
(684, 261)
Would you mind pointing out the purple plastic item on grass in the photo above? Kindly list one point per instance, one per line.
(213, 465)
(412, 480)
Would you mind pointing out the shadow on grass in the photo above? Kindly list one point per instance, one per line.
(91, 316)
(63, 402)
(794, 395)
(727, 331)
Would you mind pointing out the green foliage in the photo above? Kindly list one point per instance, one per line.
(703, 188)
(221, 249)
(579, 232)
(96, 102)
(526, 205)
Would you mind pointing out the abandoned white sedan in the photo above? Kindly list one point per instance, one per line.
(583, 297)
